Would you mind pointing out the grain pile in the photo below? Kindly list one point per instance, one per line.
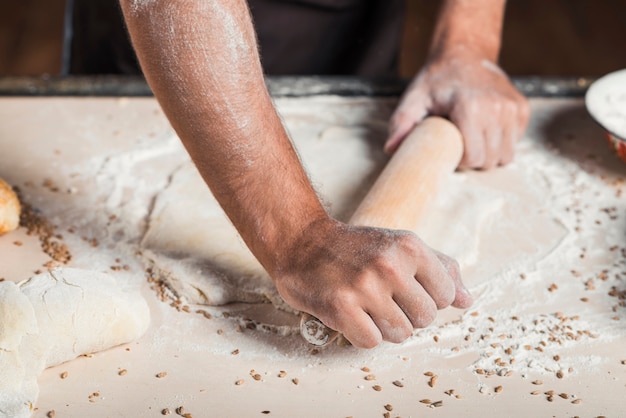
(50, 240)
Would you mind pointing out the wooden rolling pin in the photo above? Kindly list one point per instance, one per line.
(399, 197)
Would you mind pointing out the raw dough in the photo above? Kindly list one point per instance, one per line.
(55, 317)
(9, 208)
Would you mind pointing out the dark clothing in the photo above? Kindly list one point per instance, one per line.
(326, 37)
(296, 37)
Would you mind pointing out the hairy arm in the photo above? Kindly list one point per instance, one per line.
(461, 80)
(200, 59)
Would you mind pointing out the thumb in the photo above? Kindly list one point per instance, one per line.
(411, 111)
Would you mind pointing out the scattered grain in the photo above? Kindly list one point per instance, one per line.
(433, 381)
(537, 382)
(282, 374)
(398, 383)
(239, 382)
(377, 388)
(389, 407)
(122, 372)
(295, 381)
(426, 401)
(577, 401)
(64, 375)
(166, 411)
(161, 375)
(498, 389)
(51, 414)
(437, 404)
(370, 377)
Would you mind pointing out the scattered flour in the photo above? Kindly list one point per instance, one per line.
(512, 229)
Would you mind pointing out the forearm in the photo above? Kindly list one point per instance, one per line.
(473, 26)
(201, 61)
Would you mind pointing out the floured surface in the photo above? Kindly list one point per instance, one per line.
(533, 239)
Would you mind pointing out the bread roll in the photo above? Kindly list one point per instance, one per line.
(9, 208)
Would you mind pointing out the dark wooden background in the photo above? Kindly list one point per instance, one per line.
(541, 37)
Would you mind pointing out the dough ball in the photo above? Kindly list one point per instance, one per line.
(54, 317)
(9, 208)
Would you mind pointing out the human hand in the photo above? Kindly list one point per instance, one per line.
(370, 284)
(478, 98)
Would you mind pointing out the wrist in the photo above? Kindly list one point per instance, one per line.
(278, 250)
(288, 255)
(470, 28)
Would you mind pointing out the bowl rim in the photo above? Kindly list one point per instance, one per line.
(592, 91)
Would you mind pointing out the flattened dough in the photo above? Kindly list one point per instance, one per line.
(486, 220)
(55, 317)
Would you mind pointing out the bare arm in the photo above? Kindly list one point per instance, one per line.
(201, 61)
(473, 26)
(461, 79)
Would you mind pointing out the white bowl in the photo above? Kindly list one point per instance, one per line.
(606, 103)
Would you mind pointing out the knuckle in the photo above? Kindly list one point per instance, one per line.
(471, 108)
(510, 106)
(385, 266)
(411, 244)
(336, 308)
